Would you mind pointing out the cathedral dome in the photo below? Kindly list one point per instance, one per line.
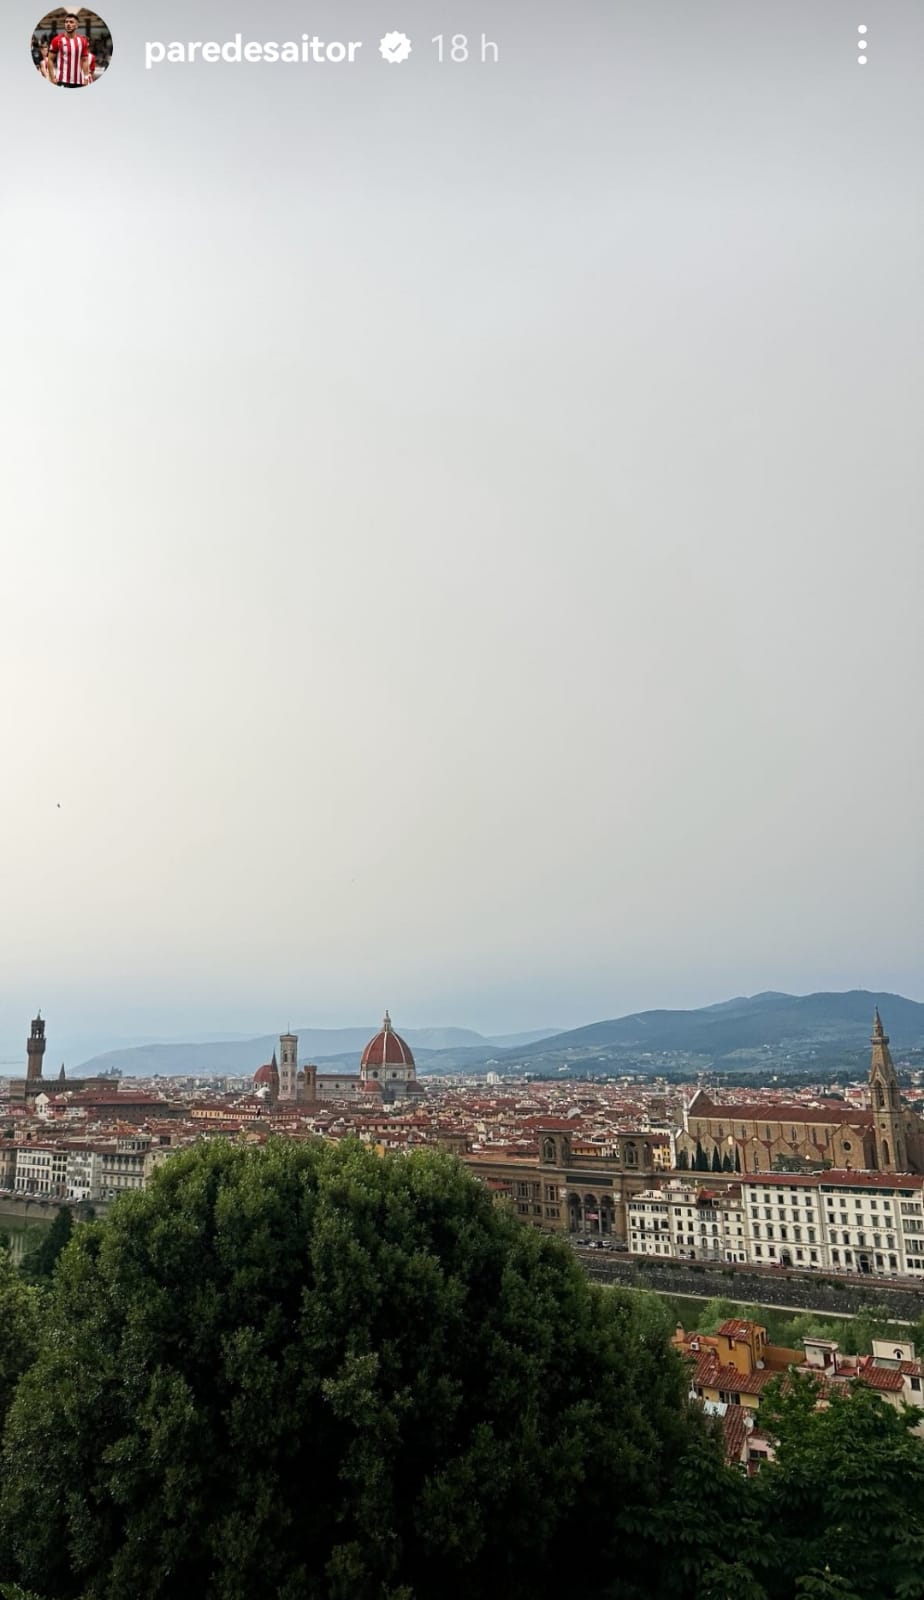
(267, 1074)
(387, 1049)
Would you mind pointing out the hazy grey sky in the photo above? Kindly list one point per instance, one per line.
(463, 524)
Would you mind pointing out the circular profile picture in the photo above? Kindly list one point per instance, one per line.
(71, 48)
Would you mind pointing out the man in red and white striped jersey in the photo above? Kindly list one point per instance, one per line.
(69, 51)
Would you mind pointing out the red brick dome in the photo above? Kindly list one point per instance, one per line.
(268, 1074)
(387, 1049)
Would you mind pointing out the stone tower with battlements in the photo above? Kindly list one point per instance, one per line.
(35, 1050)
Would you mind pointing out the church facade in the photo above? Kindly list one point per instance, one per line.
(886, 1137)
(387, 1075)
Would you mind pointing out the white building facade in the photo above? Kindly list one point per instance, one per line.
(688, 1223)
(871, 1223)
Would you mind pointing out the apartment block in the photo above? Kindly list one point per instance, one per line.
(691, 1224)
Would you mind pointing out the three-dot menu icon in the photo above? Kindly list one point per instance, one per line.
(862, 31)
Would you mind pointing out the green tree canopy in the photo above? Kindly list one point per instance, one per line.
(19, 1329)
(42, 1260)
(310, 1372)
(845, 1497)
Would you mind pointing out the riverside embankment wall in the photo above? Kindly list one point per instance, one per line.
(802, 1292)
(27, 1208)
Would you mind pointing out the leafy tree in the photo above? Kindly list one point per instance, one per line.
(701, 1160)
(737, 1159)
(873, 1322)
(726, 1162)
(824, 1586)
(709, 1519)
(311, 1373)
(717, 1311)
(845, 1497)
(19, 1329)
(42, 1260)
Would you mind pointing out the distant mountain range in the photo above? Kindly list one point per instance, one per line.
(750, 1023)
(235, 1054)
(769, 1030)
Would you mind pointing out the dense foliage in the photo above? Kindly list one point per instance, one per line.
(40, 1262)
(846, 1499)
(310, 1372)
(19, 1328)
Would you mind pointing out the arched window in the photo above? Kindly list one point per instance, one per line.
(886, 1157)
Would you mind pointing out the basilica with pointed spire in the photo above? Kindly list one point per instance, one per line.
(888, 1136)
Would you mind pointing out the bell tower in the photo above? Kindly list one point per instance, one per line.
(888, 1111)
(288, 1065)
(35, 1050)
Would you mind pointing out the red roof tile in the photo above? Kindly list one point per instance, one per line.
(735, 1431)
(888, 1380)
(833, 1114)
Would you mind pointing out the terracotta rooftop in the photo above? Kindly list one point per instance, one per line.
(734, 1431)
(835, 1177)
(737, 1328)
(770, 1112)
(888, 1380)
